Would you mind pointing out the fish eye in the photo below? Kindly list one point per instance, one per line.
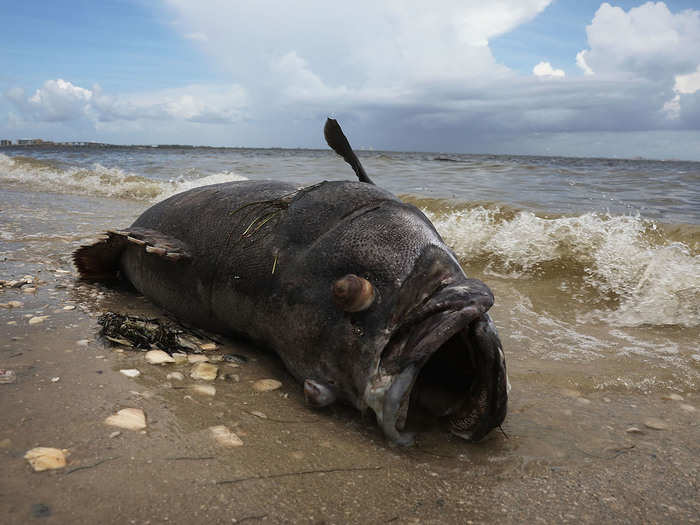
(352, 293)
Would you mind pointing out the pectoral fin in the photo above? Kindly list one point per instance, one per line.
(99, 261)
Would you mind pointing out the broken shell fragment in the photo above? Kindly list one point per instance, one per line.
(672, 397)
(224, 437)
(655, 424)
(7, 376)
(353, 293)
(179, 358)
(207, 347)
(175, 375)
(158, 357)
(12, 304)
(204, 371)
(207, 390)
(130, 372)
(265, 385)
(128, 418)
(38, 319)
(197, 358)
(45, 458)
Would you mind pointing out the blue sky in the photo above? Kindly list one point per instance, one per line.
(578, 78)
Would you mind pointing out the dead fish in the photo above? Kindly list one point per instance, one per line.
(353, 289)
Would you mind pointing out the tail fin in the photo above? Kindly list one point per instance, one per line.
(337, 141)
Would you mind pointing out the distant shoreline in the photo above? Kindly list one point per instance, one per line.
(440, 156)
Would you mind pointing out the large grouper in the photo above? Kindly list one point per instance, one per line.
(354, 289)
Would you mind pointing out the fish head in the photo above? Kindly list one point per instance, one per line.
(410, 329)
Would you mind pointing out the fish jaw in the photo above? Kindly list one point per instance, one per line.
(446, 357)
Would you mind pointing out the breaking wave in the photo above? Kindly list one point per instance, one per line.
(633, 271)
(99, 180)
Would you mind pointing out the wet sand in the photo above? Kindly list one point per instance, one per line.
(564, 456)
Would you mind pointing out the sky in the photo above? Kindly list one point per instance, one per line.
(526, 77)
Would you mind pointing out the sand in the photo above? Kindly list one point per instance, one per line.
(565, 454)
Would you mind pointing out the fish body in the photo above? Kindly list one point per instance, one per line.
(354, 290)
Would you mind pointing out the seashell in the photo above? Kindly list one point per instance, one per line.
(207, 390)
(672, 397)
(130, 372)
(45, 458)
(12, 304)
(265, 385)
(129, 418)
(7, 376)
(206, 347)
(353, 293)
(38, 319)
(158, 357)
(224, 437)
(69, 307)
(204, 371)
(655, 424)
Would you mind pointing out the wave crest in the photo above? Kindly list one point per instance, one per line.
(632, 264)
(99, 180)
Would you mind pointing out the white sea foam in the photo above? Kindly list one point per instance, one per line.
(99, 180)
(653, 281)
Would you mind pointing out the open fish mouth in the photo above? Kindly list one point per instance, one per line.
(446, 360)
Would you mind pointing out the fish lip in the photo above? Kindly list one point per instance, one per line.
(426, 330)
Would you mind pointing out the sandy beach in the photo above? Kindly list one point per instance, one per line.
(570, 452)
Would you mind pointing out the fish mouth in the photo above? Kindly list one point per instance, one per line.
(445, 359)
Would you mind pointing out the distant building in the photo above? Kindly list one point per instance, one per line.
(5, 142)
(29, 142)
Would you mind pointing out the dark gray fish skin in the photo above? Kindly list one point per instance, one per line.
(261, 260)
(282, 266)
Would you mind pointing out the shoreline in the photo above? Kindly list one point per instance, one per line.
(570, 449)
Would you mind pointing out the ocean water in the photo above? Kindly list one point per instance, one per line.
(595, 263)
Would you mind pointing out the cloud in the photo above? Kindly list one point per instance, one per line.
(56, 101)
(648, 41)
(544, 69)
(581, 62)
(60, 101)
(403, 75)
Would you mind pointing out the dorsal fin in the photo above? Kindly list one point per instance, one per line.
(337, 141)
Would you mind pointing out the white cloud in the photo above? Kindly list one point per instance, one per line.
(544, 69)
(581, 62)
(687, 84)
(56, 101)
(648, 41)
(365, 44)
(60, 101)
